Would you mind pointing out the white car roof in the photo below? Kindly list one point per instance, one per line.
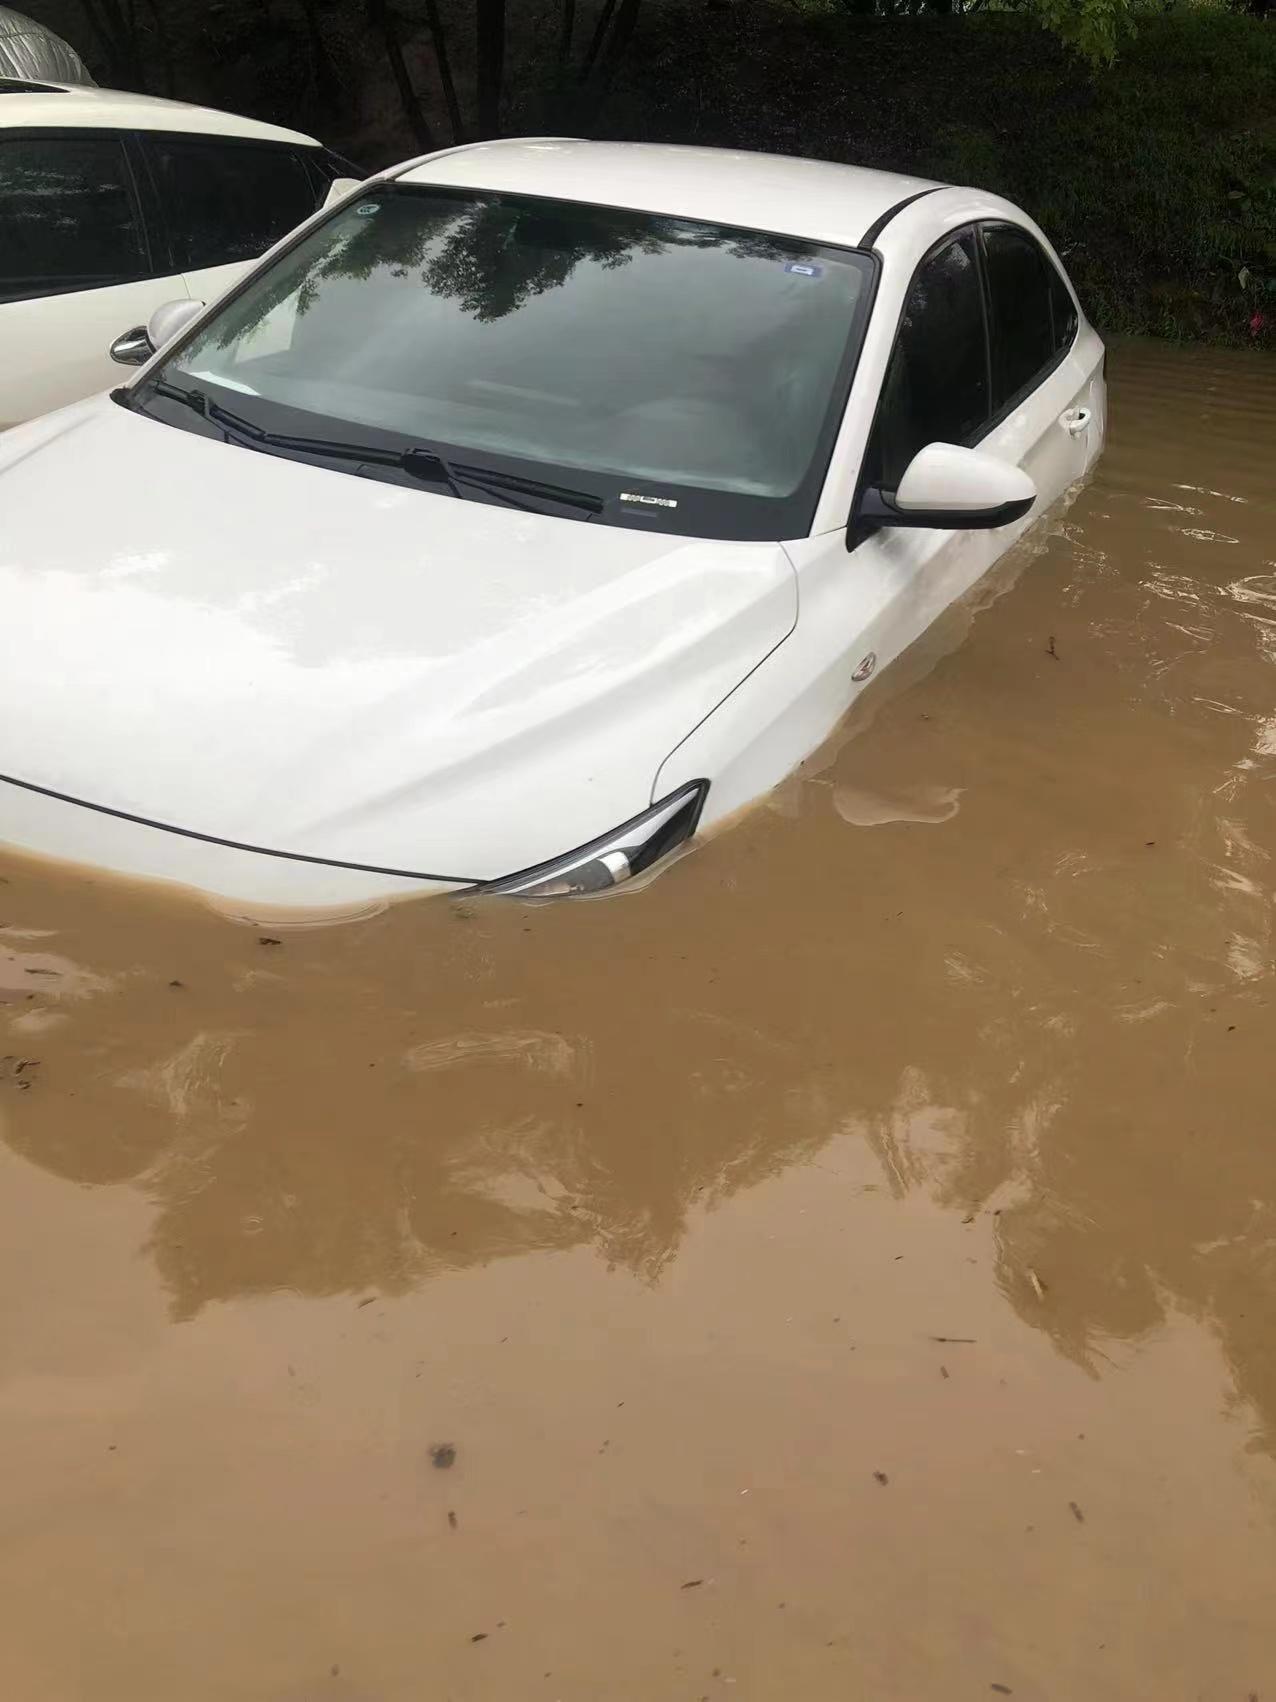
(73, 105)
(772, 192)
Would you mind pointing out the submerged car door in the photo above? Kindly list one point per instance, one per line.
(1047, 376)
(225, 202)
(986, 356)
(77, 265)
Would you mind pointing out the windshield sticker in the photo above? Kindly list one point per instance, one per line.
(366, 209)
(650, 501)
(801, 269)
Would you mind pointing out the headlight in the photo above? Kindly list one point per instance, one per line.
(618, 855)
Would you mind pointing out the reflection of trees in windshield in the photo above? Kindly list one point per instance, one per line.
(490, 256)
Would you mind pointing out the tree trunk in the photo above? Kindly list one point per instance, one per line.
(600, 32)
(618, 42)
(327, 84)
(165, 46)
(379, 17)
(608, 59)
(490, 19)
(441, 59)
(566, 33)
(119, 43)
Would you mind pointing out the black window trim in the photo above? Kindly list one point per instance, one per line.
(155, 204)
(96, 133)
(856, 535)
(879, 224)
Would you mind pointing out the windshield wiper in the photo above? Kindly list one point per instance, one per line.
(489, 479)
(257, 437)
(419, 461)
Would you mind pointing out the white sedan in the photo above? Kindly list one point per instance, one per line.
(112, 204)
(538, 505)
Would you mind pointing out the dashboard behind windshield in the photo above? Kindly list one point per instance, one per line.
(691, 376)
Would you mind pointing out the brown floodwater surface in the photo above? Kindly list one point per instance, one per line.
(845, 1268)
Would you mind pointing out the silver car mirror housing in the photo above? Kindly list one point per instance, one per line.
(132, 348)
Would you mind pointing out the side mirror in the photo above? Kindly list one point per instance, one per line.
(171, 320)
(339, 188)
(952, 488)
(135, 347)
(132, 348)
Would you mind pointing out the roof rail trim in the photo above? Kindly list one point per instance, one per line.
(880, 223)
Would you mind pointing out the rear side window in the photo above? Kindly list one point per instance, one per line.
(68, 216)
(228, 201)
(936, 387)
(331, 166)
(1063, 314)
(1031, 314)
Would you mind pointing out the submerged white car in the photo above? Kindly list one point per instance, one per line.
(539, 504)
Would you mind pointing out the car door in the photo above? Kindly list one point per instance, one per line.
(76, 265)
(226, 201)
(984, 356)
(1047, 408)
(937, 389)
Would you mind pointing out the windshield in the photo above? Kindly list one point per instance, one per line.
(691, 376)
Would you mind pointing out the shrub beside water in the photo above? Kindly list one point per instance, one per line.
(1156, 179)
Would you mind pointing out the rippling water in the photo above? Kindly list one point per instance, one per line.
(845, 1267)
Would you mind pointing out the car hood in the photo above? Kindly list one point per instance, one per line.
(294, 658)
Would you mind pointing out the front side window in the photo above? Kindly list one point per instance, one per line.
(228, 201)
(936, 387)
(68, 220)
(1028, 324)
(690, 376)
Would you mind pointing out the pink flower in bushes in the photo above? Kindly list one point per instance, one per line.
(1257, 324)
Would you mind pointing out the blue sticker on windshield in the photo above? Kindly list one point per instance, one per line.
(801, 269)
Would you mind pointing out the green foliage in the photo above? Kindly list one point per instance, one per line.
(1095, 28)
(1155, 177)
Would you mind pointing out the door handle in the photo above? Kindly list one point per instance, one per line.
(1075, 421)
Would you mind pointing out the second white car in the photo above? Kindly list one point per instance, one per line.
(112, 204)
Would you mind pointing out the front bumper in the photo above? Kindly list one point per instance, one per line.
(248, 882)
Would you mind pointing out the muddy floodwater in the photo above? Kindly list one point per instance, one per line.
(844, 1269)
